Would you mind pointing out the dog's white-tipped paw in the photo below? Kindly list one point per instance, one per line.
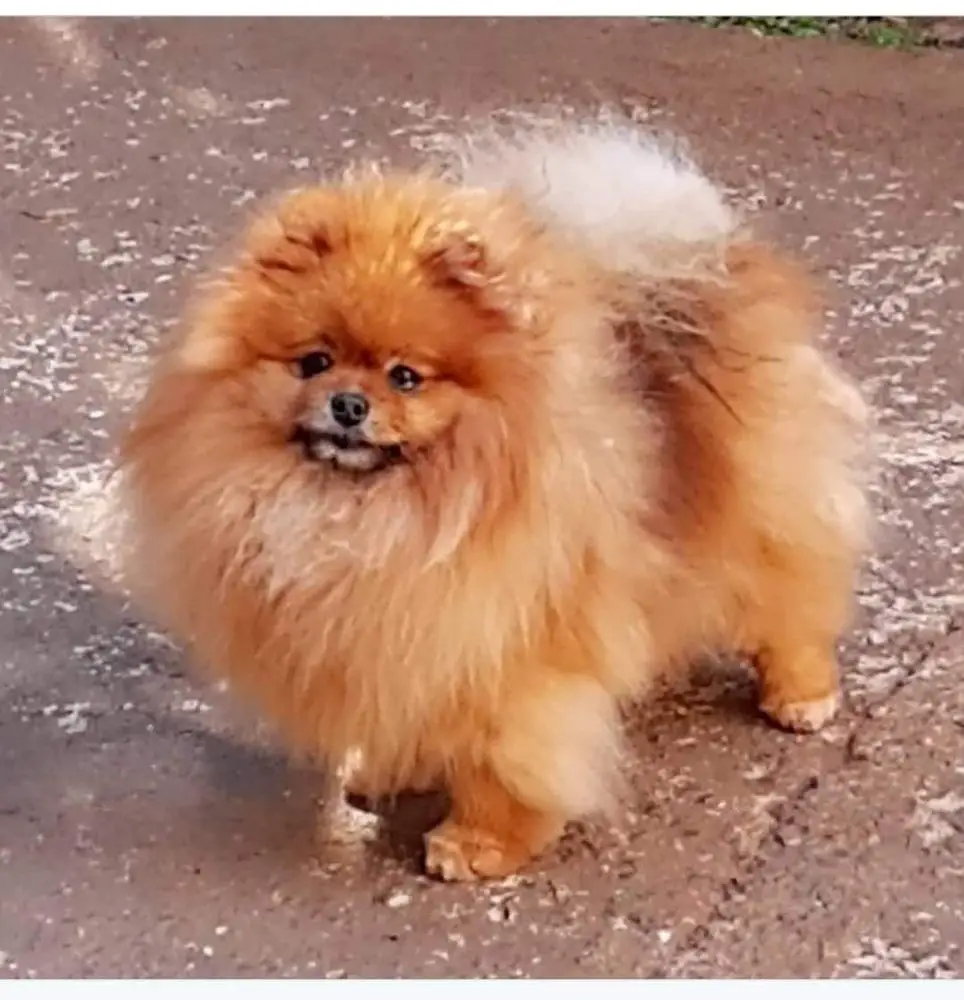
(802, 716)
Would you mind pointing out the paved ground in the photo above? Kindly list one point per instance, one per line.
(145, 829)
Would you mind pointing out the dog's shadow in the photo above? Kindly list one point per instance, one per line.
(401, 823)
(288, 805)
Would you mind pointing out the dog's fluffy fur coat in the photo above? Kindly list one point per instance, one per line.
(629, 450)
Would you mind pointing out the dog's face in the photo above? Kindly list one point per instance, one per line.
(364, 406)
(364, 403)
(368, 320)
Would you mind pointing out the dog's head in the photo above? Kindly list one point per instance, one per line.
(368, 319)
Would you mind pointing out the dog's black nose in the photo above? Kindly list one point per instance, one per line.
(349, 408)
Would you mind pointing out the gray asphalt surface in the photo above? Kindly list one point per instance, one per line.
(147, 828)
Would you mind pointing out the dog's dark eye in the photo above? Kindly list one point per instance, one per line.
(313, 363)
(403, 378)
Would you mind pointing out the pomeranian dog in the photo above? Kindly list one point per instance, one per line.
(445, 466)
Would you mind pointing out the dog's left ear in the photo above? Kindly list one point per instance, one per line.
(478, 247)
(456, 255)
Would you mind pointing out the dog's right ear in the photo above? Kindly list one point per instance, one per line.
(290, 239)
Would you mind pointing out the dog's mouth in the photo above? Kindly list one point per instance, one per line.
(346, 450)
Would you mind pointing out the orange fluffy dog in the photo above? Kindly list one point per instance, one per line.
(447, 465)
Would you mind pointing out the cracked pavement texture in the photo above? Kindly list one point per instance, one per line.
(147, 829)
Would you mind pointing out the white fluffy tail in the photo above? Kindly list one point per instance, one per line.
(622, 191)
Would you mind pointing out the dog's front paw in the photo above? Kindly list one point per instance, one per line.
(462, 854)
(802, 716)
